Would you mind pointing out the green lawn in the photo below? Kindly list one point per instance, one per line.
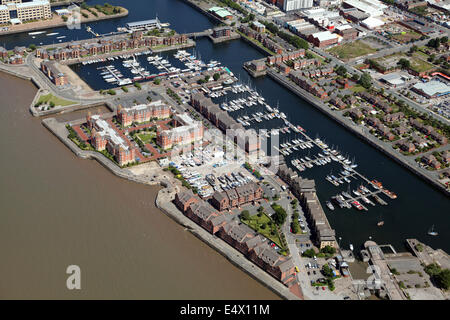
(256, 222)
(57, 101)
(146, 137)
(352, 50)
(420, 65)
(406, 36)
(417, 63)
(357, 88)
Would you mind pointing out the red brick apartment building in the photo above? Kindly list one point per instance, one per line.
(225, 122)
(185, 131)
(239, 236)
(143, 113)
(104, 137)
(78, 49)
(236, 197)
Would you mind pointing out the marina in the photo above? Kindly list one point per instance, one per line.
(374, 163)
(141, 66)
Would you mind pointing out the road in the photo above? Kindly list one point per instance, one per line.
(376, 85)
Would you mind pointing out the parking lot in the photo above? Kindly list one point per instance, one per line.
(208, 169)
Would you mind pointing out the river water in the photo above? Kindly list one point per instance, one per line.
(57, 210)
(83, 215)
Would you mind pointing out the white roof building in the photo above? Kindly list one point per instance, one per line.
(324, 36)
(374, 8)
(372, 23)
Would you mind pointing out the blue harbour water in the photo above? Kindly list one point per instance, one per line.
(418, 205)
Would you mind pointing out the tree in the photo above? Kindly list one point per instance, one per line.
(32, 47)
(404, 63)
(341, 70)
(443, 279)
(279, 215)
(245, 215)
(366, 80)
(434, 43)
(309, 253)
(328, 249)
(157, 81)
(413, 49)
(327, 272)
(216, 76)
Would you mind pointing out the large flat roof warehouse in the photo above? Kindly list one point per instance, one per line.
(433, 88)
(324, 36)
(374, 8)
(394, 79)
(144, 24)
(220, 12)
(372, 23)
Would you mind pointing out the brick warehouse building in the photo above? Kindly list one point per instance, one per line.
(186, 130)
(104, 137)
(143, 113)
(236, 197)
(50, 69)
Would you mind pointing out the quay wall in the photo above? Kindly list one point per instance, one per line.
(64, 3)
(259, 48)
(62, 24)
(199, 8)
(371, 140)
(189, 44)
(164, 202)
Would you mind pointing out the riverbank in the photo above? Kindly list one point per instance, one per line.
(373, 141)
(121, 226)
(164, 202)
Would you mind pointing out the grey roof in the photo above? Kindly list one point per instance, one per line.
(203, 210)
(185, 195)
(219, 196)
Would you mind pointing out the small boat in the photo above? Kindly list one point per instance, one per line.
(330, 205)
(431, 232)
(351, 247)
(380, 223)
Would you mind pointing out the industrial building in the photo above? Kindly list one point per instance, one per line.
(290, 5)
(221, 13)
(372, 23)
(432, 89)
(323, 39)
(373, 8)
(144, 25)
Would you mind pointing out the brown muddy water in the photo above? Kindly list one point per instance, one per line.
(58, 210)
